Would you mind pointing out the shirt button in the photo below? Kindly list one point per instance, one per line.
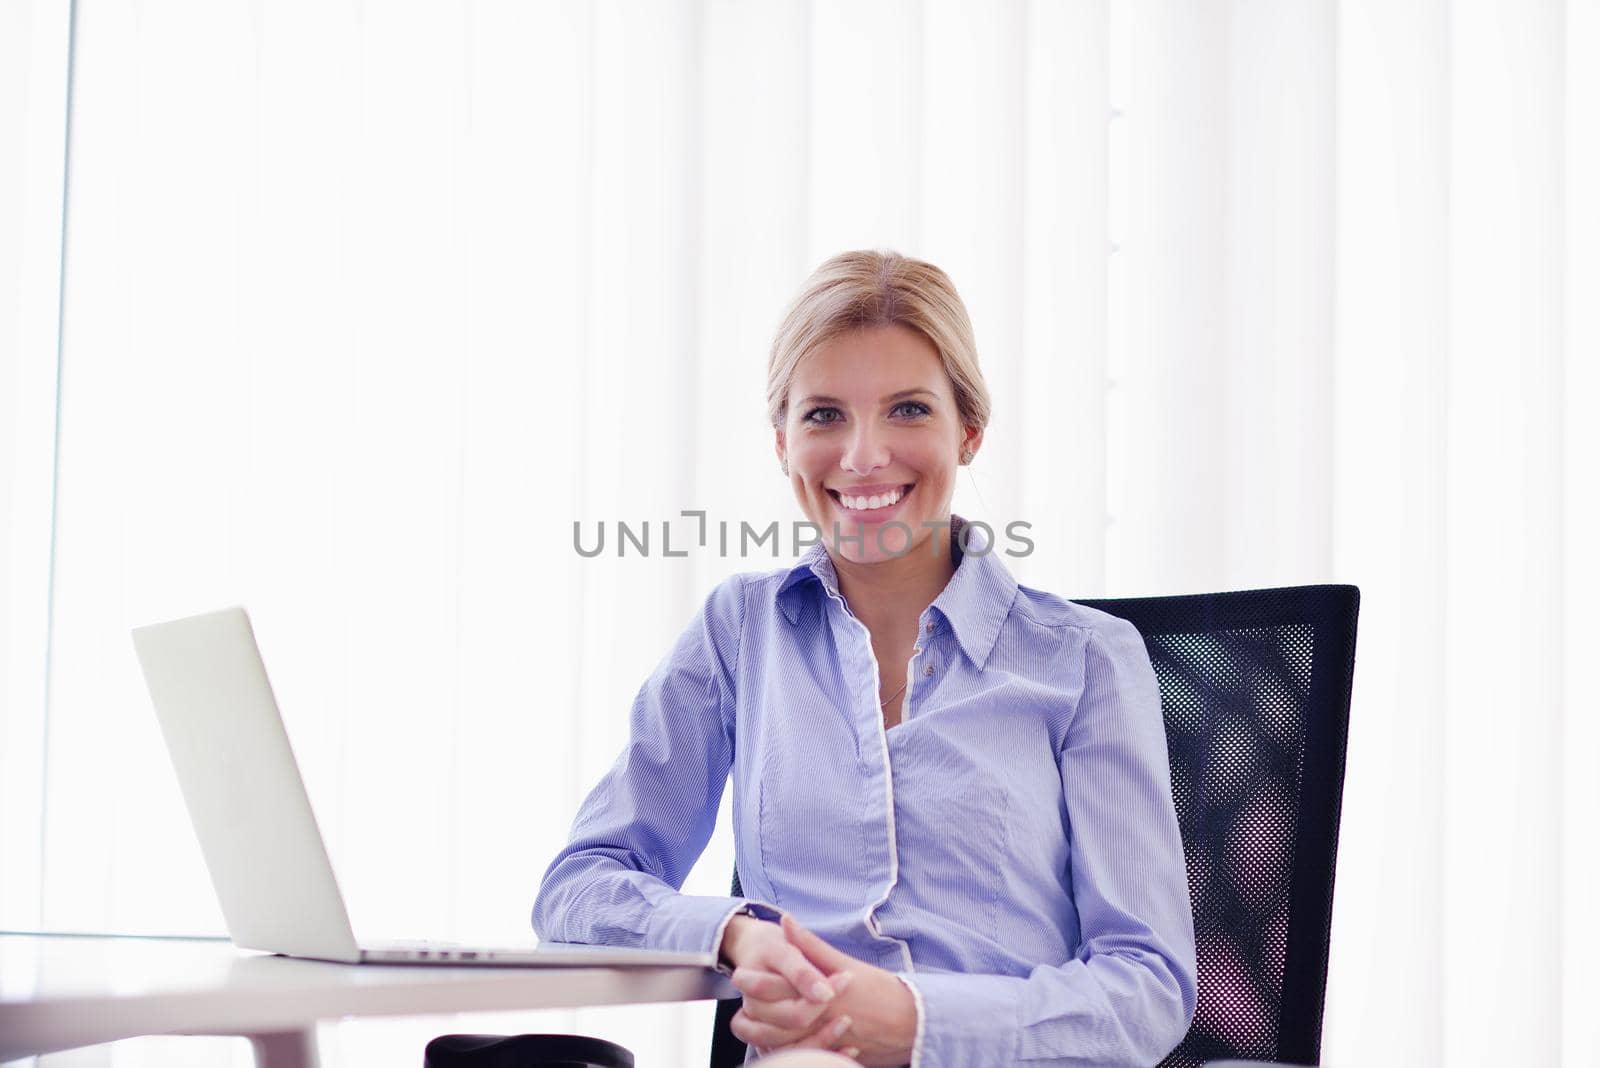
(928, 671)
(930, 626)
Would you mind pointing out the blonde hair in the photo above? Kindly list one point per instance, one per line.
(854, 290)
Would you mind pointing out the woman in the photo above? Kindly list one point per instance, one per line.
(971, 859)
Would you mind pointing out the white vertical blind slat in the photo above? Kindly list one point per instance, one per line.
(865, 179)
(1501, 741)
(1579, 816)
(1056, 408)
(1390, 330)
(1168, 456)
(971, 171)
(33, 112)
(1276, 423)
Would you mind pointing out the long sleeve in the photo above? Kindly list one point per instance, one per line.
(644, 825)
(1128, 995)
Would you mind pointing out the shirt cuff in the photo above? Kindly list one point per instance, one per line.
(694, 923)
(922, 1017)
(965, 1019)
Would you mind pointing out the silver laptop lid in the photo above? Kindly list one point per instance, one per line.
(242, 786)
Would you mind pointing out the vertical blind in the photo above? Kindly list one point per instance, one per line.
(365, 305)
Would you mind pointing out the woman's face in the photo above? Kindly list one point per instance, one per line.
(872, 436)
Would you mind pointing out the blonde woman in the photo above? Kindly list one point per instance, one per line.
(951, 803)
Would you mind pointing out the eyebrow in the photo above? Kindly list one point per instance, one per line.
(817, 398)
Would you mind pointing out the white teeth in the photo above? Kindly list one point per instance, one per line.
(861, 504)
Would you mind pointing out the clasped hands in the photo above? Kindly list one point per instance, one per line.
(801, 993)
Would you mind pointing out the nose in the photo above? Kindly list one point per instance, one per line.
(866, 451)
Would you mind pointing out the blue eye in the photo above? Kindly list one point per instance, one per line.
(816, 416)
(915, 407)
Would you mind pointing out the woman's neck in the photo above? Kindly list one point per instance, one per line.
(890, 595)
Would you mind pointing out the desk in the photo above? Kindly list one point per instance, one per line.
(61, 992)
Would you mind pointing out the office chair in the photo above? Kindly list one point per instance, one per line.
(521, 1051)
(1255, 689)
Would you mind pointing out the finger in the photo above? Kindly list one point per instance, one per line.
(764, 1036)
(815, 949)
(765, 985)
(850, 1051)
(762, 981)
(785, 1010)
(824, 1038)
(827, 1036)
(749, 1032)
(791, 1014)
(790, 963)
(755, 983)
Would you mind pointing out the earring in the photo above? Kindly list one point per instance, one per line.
(784, 465)
(966, 455)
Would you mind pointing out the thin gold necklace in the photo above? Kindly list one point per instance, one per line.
(892, 696)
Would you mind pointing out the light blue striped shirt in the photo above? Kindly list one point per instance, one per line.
(1010, 849)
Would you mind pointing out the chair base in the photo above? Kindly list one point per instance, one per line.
(524, 1051)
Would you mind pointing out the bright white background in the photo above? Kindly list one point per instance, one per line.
(364, 304)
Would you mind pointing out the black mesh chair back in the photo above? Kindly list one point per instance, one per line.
(1255, 687)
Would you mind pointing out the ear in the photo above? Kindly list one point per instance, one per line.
(973, 438)
(779, 445)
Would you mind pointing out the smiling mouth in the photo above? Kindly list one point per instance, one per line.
(876, 504)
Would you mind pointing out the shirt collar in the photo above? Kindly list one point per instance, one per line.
(976, 601)
(814, 566)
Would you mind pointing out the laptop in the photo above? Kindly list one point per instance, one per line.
(248, 803)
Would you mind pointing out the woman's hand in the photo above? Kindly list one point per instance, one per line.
(793, 994)
(872, 1019)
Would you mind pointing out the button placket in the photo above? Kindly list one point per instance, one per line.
(863, 653)
(924, 644)
(930, 667)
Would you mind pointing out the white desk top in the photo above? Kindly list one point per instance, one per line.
(61, 992)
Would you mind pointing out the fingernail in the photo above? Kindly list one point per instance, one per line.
(822, 991)
(841, 1027)
(842, 981)
(851, 1052)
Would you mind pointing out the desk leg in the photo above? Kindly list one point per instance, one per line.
(285, 1049)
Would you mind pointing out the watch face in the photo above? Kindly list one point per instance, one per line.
(761, 912)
